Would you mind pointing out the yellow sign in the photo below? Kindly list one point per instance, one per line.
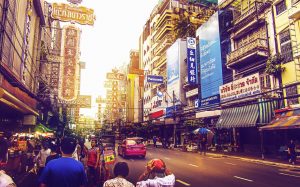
(78, 14)
(109, 157)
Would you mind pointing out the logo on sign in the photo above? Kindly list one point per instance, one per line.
(155, 79)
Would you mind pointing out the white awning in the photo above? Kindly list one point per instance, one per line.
(206, 114)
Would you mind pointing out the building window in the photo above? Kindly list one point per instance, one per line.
(292, 91)
(286, 46)
(265, 81)
(280, 7)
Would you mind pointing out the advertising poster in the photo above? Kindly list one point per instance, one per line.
(211, 76)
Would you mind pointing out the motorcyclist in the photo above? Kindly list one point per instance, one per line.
(156, 174)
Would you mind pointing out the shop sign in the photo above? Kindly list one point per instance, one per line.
(136, 71)
(191, 61)
(75, 1)
(155, 79)
(69, 69)
(54, 76)
(192, 93)
(115, 76)
(213, 100)
(156, 114)
(244, 87)
(79, 14)
(82, 101)
(141, 80)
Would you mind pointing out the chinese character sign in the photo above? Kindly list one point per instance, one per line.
(191, 60)
(69, 70)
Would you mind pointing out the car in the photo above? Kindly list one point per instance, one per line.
(132, 147)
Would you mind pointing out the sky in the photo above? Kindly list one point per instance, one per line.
(107, 44)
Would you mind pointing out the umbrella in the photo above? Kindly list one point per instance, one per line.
(202, 130)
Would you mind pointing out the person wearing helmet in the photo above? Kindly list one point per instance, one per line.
(156, 175)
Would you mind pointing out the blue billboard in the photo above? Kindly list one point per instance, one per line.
(211, 75)
(155, 79)
(173, 63)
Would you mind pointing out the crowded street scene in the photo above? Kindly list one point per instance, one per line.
(149, 93)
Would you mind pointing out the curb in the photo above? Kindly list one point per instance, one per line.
(253, 160)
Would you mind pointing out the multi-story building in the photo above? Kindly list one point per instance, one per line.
(253, 42)
(20, 39)
(158, 35)
(286, 19)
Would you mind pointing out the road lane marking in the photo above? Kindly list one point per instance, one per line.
(243, 178)
(194, 165)
(182, 182)
(289, 175)
(230, 163)
(167, 158)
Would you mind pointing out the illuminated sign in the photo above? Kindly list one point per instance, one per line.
(69, 70)
(78, 14)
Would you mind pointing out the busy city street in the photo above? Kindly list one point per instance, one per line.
(149, 93)
(193, 169)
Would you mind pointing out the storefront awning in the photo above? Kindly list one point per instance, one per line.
(286, 120)
(245, 116)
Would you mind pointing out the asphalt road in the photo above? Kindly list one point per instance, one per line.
(192, 169)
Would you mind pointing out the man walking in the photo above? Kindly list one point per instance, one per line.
(64, 171)
(154, 141)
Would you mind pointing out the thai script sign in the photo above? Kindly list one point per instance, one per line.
(78, 14)
(191, 60)
(69, 70)
(240, 88)
(155, 79)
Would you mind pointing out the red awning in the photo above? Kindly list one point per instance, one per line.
(157, 114)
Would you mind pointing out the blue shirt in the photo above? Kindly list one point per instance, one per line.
(63, 172)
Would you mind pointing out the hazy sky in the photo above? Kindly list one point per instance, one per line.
(106, 45)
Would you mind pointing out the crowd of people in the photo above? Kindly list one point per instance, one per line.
(71, 162)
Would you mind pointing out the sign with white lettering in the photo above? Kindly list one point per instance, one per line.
(78, 14)
(155, 79)
(191, 60)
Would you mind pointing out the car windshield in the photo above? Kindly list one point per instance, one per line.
(134, 142)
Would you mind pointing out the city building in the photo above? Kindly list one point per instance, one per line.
(22, 23)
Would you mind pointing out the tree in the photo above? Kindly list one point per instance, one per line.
(274, 65)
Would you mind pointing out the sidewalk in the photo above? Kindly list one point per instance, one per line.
(254, 159)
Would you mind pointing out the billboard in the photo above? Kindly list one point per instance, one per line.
(191, 61)
(211, 74)
(155, 79)
(176, 69)
(240, 88)
(69, 68)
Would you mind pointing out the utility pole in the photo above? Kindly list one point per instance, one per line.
(174, 118)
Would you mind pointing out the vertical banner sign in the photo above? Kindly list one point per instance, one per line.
(191, 60)
(210, 61)
(69, 71)
(173, 70)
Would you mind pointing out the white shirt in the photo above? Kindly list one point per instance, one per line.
(5, 180)
(117, 182)
(167, 181)
(43, 154)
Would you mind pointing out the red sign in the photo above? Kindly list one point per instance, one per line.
(156, 114)
(69, 70)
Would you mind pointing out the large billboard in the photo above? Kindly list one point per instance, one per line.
(69, 69)
(211, 74)
(176, 70)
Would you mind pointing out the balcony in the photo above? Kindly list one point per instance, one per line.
(163, 44)
(167, 26)
(294, 12)
(258, 48)
(160, 61)
(251, 16)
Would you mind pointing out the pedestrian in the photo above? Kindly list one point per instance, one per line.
(121, 171)
(203, 144)
(42, 156)
(53, 154)
(156, 174)
(93, 157)
(154, 141)
(76, 155)
(292, 152)
(6, 180)
(64, 171)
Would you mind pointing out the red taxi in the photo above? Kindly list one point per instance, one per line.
(132, 147)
